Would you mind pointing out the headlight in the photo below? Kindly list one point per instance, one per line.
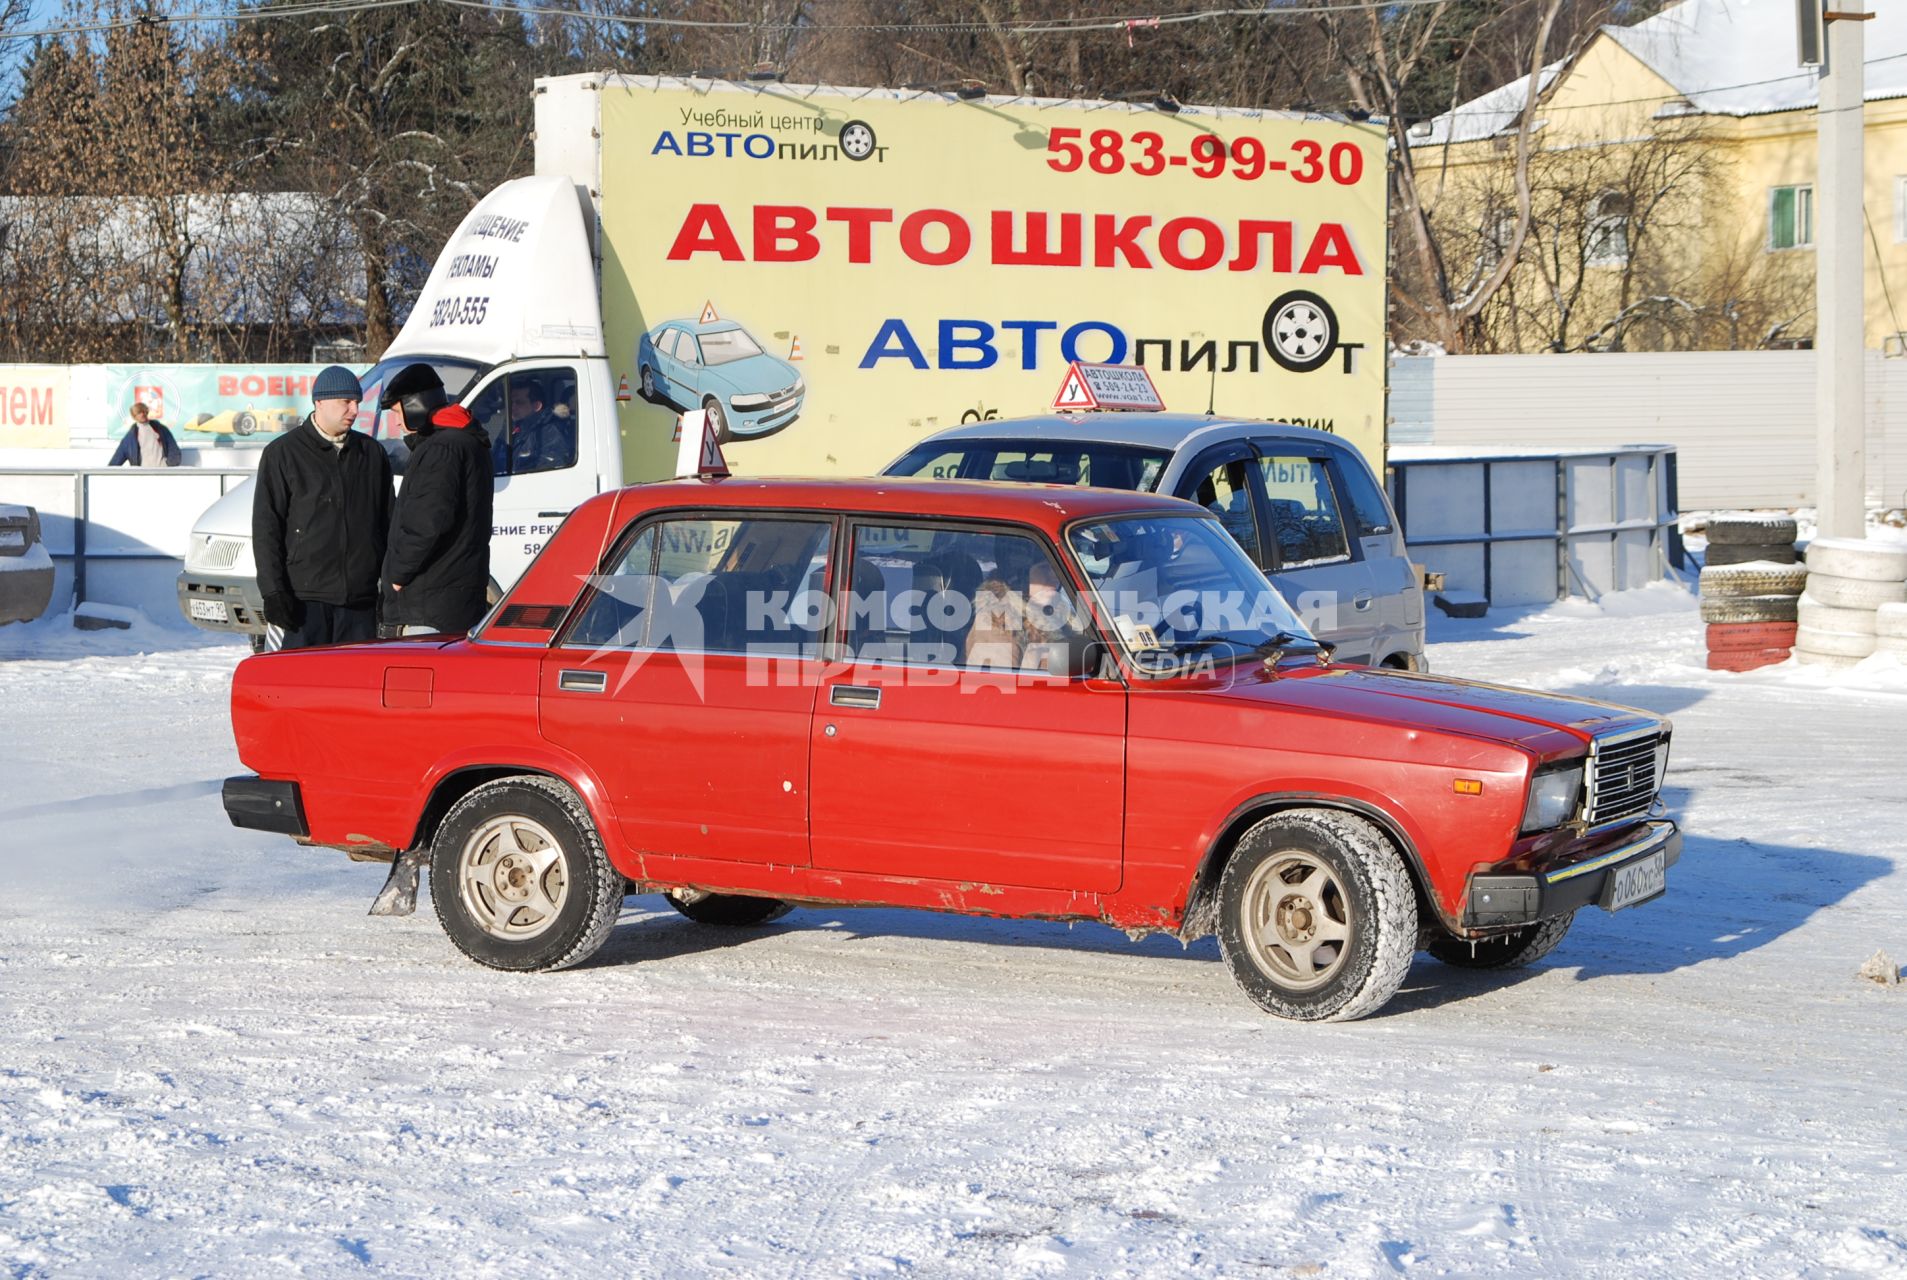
(749, 402)
(1554, 792)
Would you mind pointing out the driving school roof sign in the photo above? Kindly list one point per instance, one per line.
(1107, 387)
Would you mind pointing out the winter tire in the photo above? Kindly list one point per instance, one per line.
(1513, 950)
(519, 876)
(1854, 593)
(1731, 582)
(1316, 916)
(1750, 635)
(1858, 558)
(1750, 530)
(1891, 620)
(1750, 609)
(1815, 616)
(730, 908)
(1721, 553)
(1841, 644)
(1300, 330)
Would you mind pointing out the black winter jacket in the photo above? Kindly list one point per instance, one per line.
(320, 517)
(440, 534)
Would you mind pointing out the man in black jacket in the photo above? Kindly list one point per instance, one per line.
(319, 521)
(437, 570)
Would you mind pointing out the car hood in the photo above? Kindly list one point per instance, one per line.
(753, 374)
(1550, 723)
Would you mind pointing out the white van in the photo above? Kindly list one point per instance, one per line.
(511, 321)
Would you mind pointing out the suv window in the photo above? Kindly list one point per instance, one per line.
(1226, 493)
(752, 587)
(1303, 510)
(1370, 515)
(958, 597)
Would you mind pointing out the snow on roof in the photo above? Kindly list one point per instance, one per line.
(1726, 57)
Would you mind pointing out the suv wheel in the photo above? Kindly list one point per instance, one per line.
(1510, 950)
(520, 879)
(728, 908)
(1316, 916)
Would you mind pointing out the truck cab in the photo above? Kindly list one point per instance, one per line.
(511, 321)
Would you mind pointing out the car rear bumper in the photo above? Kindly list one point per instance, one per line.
(1496, 901)
(243, 606)
(260, 804)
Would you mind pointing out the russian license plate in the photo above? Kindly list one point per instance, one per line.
(1636, 882)
(208, 610)
(10, 538)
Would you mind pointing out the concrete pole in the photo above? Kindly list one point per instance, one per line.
(1840, 281)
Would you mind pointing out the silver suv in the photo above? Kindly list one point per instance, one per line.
(1302, 503)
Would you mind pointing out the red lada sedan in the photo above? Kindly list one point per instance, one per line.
(994, 699)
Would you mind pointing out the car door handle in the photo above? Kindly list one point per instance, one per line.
(855, 695)
(1360, 602)
(583, 681)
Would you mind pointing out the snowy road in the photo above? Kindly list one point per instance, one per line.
(212, 1062)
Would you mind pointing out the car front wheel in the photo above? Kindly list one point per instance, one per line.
(520, 879)
(1511, 950)
(1316, 916)
(717, 420)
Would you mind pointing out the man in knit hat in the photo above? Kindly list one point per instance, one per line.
(320, 519)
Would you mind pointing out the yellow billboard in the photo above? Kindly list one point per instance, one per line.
(835, 273)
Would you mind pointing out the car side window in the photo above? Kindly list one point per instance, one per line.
(1370, 515)
(1303, 509)
(666, 343)
(753, 587)
(968, 598)
(687, 350)
(1226, 492)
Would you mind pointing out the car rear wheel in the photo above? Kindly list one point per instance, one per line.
(649, 383)
(728, 908)
(1512, 950)
(1317, 918)
(520, 879)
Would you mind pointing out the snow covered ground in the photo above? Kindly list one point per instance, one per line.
(212, 1062)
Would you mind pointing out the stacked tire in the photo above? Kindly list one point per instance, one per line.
(1750, 587)
(1850, 582)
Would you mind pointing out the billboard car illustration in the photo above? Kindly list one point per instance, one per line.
(718, 366)
(245, 422)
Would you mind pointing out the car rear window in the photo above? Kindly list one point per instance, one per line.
(1107, 466)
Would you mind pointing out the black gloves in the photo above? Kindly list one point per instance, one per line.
(284, 611)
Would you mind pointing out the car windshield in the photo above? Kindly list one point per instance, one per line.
(1177, 589)
(1109, 466)
(727, 346)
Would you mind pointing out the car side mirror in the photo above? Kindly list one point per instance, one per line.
(1087, 656)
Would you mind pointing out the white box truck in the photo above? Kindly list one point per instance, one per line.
(832, 274)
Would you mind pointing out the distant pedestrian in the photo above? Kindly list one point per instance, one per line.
(148, 442)
(320, 520)
(437, 570)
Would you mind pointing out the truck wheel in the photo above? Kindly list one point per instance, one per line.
(1505, 951)
(729, 908)
(520, 879)
(1316, 916)
(717, 419)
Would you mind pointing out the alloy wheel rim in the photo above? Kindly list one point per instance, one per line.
(511, 877)
(1297, 920)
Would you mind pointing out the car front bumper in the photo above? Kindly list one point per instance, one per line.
(239, 599)
(1497, 901)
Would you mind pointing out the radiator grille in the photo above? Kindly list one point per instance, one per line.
(1622, 781)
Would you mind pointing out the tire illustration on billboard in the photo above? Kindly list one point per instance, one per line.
(1301, 331)
(718, 366)
(857, 140)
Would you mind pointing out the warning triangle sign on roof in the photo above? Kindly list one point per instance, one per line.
(708, 313)
(698, 452)
(1074, 393)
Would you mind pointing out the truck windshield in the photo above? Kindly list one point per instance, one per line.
(1177, 589)
(1109, 466)
(727, 346)
(389, 424)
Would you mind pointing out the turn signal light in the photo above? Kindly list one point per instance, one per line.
(1467, 787)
